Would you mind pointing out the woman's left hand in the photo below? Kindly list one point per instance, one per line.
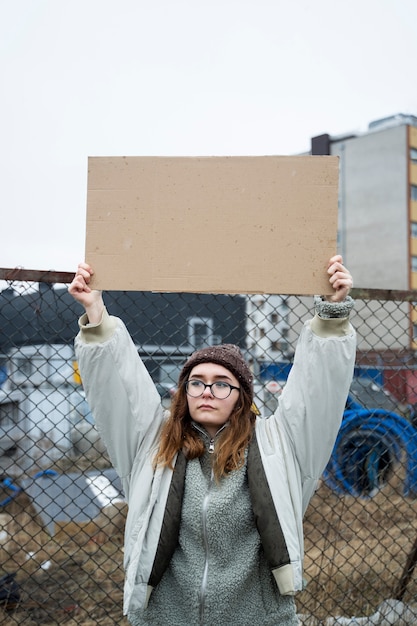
(340, 279)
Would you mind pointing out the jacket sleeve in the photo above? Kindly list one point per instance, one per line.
(119, 390)
(313, 400)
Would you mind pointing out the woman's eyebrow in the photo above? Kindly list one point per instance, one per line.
(217, 377)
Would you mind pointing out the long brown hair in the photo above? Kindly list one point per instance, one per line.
(177, 434)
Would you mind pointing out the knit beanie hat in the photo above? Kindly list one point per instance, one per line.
(226, 354)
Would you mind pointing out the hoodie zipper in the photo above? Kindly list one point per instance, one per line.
(204, 512)
(205, 434)
(204, 580)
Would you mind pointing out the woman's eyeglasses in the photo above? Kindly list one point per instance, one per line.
(219, 389)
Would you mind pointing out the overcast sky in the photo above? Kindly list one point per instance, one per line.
(86, 78)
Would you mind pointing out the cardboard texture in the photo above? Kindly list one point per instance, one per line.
(212, 224)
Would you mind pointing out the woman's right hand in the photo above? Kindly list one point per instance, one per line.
(91, 299)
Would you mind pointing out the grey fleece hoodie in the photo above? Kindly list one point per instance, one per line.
(219, 552)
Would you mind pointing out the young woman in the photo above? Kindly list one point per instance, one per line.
(216, 494)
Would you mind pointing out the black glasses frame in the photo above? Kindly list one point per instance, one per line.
(231, 387)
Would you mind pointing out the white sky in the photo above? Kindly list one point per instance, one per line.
(86, 78)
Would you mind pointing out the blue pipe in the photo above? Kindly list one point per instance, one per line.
(369, 445)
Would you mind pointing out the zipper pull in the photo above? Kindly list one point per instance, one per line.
(211, 446)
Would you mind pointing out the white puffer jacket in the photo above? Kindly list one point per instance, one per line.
(295, 443)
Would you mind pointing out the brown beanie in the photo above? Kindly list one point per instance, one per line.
(226, 354)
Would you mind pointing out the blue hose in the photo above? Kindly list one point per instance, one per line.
(369, 445)
(47, 472)
(7, 483)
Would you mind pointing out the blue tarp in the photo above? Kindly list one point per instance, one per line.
(3, 375)
(67, 497)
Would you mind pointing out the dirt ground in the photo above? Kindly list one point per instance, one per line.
(356, 552)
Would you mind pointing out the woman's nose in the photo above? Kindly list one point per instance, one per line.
(207, 391)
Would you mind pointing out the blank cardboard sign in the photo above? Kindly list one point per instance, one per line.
(212, 224)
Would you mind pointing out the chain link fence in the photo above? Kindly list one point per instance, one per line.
(62, 511)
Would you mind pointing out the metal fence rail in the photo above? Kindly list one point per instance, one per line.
(62, 511)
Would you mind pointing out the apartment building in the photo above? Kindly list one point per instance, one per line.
(377, 233)
(377, 236)
(378, 201)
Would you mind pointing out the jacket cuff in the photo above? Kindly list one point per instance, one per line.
(331, 310)
(97, 333)
(336, 327)
(284, 577)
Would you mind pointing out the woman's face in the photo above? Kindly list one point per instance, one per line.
(207, 410)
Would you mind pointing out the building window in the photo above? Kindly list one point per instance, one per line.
(24, 366)
(414, 263)
(414, 230)
(9, 413)
(279, 346)
(414, 193)
(413, 154)
(200, 332)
